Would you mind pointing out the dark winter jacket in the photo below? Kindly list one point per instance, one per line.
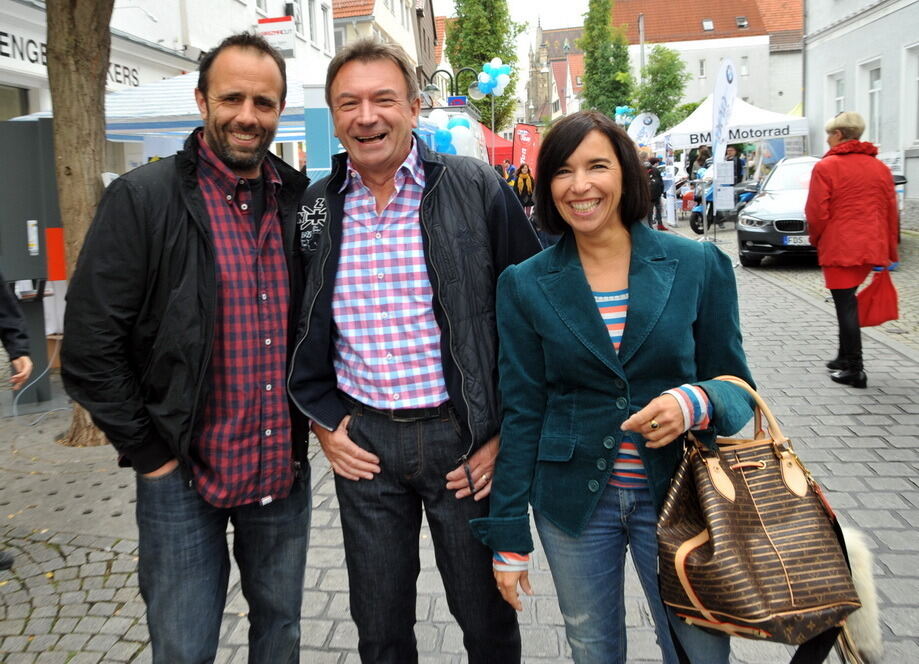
(141, 309)
(472, 228)
(12, 326)
(851, 209)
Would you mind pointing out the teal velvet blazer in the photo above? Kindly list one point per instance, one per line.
(565, 391)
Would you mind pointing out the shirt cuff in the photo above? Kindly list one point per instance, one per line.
(505, 561)
(695, 404)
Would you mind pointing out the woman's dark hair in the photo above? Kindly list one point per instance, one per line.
(562, 140)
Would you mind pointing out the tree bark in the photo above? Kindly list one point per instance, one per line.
(79, 42)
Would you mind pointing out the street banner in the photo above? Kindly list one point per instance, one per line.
(279, 33)
(723, 103)
(643, 128)
(669, 186)
(526, 146)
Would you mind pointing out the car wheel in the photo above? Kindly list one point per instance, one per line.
(750, 261)
(695, 223)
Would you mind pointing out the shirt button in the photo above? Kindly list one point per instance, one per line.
(609, 442)
(229, 198)
(395, 397)
(244, 206)
(267, 342)
(601, 464)
(388, 356)
(593, 486)
(264, 296)
(619, 383)
(268, 387)
(384, 315)
(380, 275)
(267, 432)
(621, 403)
(378, 235)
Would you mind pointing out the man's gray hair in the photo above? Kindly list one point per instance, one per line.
(369, 50)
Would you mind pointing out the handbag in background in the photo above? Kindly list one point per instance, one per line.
(749, 546)
(877, 302)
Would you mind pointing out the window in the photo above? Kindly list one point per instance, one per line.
(701, 68)
(326, 42)
(579, 80)
(311, 10)
(874, 105)
(388, 4)
(839, 97)
(339, 39)
(742, 22)
(298, 17)
(262, 6)
(744, 66)
(708, 24)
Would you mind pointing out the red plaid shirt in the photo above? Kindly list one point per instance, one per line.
(244, 453)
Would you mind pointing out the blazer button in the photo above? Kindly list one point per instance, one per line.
(609, 442)
(619, 383)
(601, 464)
(621, 403)
(593, 486)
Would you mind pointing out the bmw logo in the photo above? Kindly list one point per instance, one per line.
(729, 74)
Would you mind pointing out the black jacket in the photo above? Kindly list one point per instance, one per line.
(141, 306)
(472, 228)
(12, 326)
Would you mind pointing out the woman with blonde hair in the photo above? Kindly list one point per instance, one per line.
(853, 221)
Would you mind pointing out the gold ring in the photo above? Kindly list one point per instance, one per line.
(485, 478)
(654, 424)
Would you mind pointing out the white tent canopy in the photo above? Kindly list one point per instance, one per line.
(746, 124)
(167, 108)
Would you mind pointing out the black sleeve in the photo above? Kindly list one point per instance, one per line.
(12, 326)
(513, 239)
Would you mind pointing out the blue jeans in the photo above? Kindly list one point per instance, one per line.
(184, 568)
(588, 572)
(700, 646)
(381, 522)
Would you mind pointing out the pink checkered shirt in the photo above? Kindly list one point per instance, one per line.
(243, 453)
(388, 344)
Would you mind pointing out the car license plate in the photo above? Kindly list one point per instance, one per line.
(797, 240)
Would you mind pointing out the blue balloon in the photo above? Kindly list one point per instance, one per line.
(458, 121)
(505, 69)
(488, 69)
(442, 138)
(487, 87)
(449, 149)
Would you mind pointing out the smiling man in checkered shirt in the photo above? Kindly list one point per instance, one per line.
(397, 363)
(176, 338)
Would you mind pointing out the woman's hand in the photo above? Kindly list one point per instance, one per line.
(659, 423)
(507, 586)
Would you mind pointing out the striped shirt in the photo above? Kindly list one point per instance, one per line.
(388, 342)
(613, 306)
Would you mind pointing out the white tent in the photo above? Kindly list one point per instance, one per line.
(167, 108)
(746, 124)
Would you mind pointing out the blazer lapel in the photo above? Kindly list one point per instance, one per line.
(651, 276)
(569, 294)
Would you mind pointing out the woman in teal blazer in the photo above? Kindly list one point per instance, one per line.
(589, 438)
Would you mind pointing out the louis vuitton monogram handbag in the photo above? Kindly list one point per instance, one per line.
(748, 544)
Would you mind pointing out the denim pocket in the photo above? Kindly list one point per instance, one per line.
(160, 478)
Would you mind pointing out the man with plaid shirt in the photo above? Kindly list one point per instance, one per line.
(179, 319)
(397, 364)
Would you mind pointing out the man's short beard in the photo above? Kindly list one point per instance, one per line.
(237, 161)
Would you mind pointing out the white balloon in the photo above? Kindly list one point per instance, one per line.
(503, 80)
(462, 140)
(484, 77)
(496, 62)
(439, 117)
(498, 91)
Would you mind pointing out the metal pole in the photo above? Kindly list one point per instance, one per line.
(492, 129)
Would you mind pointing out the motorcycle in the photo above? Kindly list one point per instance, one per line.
(704, 195)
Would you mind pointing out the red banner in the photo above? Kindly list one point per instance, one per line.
(526, 146)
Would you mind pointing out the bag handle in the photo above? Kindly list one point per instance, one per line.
(774, 429)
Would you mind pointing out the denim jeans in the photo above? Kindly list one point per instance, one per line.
(588, 572)
(699, 645)
(184, 568)
(381, 522)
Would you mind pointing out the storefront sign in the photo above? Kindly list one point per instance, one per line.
(279, 32)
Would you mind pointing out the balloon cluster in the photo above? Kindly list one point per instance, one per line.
(494, 77)
(624, 115)
(453, 133)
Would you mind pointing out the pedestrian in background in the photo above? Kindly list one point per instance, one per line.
(656, 190)
(16, 342)
(853, 221)
(179, 322)
(397, 369)
(610, 341)
(524, 187)
(510, 172)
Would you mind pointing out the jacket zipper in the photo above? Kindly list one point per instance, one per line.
(447, 315)
(309, 314)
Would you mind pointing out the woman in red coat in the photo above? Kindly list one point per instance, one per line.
(852, 220)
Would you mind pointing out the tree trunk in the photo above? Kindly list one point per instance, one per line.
(79, 42)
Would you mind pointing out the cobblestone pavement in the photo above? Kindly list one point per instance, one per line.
(72, 595)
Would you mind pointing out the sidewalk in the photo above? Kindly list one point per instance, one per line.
(72, 595)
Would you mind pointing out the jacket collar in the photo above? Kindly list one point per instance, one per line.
(651, 275)
(853, 147)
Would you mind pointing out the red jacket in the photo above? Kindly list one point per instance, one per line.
(851, 209)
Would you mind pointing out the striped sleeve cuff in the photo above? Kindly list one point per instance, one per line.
(505, 561)
(695, 404)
